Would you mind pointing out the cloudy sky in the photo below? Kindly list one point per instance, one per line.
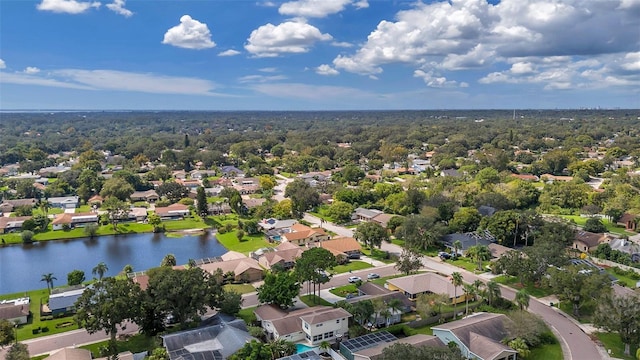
(319, 54)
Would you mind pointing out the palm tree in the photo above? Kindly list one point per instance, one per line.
(522, 299)
(100, 270)
(469, 291)
(395, 306)
(325, 346)
(520, 346)
(491, 292)
(45, 205)
(479, 253)
(127, 269)
(386, 314)
(48, 278)
(456, 280)
(168, 260)
(457, 245)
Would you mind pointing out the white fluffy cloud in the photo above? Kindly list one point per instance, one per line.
(229, 52)
(118, 6)
(31, 70)
(317, 8)
(326, 70)
(260, 78)
(446, 36)
(289, 37)
(67, 6)
(437, 81)
(3, 65)
(190, 34)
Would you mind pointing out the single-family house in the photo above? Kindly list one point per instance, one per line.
(275, 224)
(371, 215)
(371, 346)
(283, 256)
(137, 214)
(371, 291)
(219, 208)
(72, 220)
(172, 212)
(62, 301)
(70, 353)
(148, 196)
(244, 269)
(7, 206)
(214, 191)
(629, 221)
(64, 202)
(342, 247)
(467, 240)
(253, 203)
(231, 171)
(179, 174)
(247, 186)
(11, 224)
(302, 235)
(14, 313)
(478, 336)
(586, 241)
(525, 177)
(498, 250)
(190, 184)
(315, 324)
(426, 283)
(95, 200)
(217, 341)
(450, 173)
(486, 210)
(551, 178)
(626, 246)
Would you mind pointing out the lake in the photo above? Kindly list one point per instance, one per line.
(22, 266)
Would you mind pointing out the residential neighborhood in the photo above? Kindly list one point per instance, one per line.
(438, 245)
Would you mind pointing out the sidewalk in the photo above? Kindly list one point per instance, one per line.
(373, 262)
(327, 295)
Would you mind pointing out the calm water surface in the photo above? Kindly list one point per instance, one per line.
(22, 266)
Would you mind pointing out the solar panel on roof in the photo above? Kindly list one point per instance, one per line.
(368, 341)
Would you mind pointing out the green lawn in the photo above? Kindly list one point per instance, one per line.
(248, 244)
(185, 224)
(25, 331)
(353, 266)
(546, 352)
(623, 279)
(611, 341)
(468, 264)
(532, 289)
(135, 344)
(309, 300)
(343, 291)
(247, 315)
(240, 288)
(377, 254)
(611, 227)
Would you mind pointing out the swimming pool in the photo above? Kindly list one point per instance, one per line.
(300, 348)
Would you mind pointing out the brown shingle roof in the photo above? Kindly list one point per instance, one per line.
(342, 244)
(70, 354)
(417, 340)
(6, 222)
(11, 311)
(269, 312)
(491, 326)
(420, 283)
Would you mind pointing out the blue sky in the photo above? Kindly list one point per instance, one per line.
(319, 54)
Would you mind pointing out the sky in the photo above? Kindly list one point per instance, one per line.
(319, 54)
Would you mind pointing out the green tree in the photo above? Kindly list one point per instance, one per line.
(409, 261)
(117, 210)
(106, 305)
(487, 176)
(168, 260)
(522, 299)
(456, 280)
(7, 334)
(159, 353)
(479, 253)
(118, 188)
(420, 232)
(100, 270)
(620, 314)
(155, 220)
(18, 351)
(303, 197)
(431, 304)
(465, 219)
(520, 346)
(27, 236)
(594, 225)
(91, 230)
(279, 289)
(282, 209)
(172, 191)
(48, 278)
(75, 277)
(470, 291)
(371, 234)
(230, 302)
(340, 212)
(491, 292)
(267, 182)
(312, 267)
(579, 285)
(201, 202)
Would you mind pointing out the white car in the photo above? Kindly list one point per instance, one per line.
(373, 276)
(354, 279)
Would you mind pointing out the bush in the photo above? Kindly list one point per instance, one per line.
(27, 236)
(547, 338)
(46, 317)
(35, 330)
(45, 329)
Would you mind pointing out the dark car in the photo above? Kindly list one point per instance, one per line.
(354, 256)
(444, 255)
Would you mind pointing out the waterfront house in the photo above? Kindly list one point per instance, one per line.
(72, 220)
(172, 212)
(426, 283)
(14, 313)
(64, 202)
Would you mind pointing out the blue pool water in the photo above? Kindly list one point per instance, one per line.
(300, 348)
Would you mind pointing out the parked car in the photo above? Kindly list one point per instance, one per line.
(444, 255)
(354, 256)
(354, 279)
(373, 276)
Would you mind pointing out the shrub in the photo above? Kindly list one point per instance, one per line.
(27, 236)
(45, 329)
(35, 330)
